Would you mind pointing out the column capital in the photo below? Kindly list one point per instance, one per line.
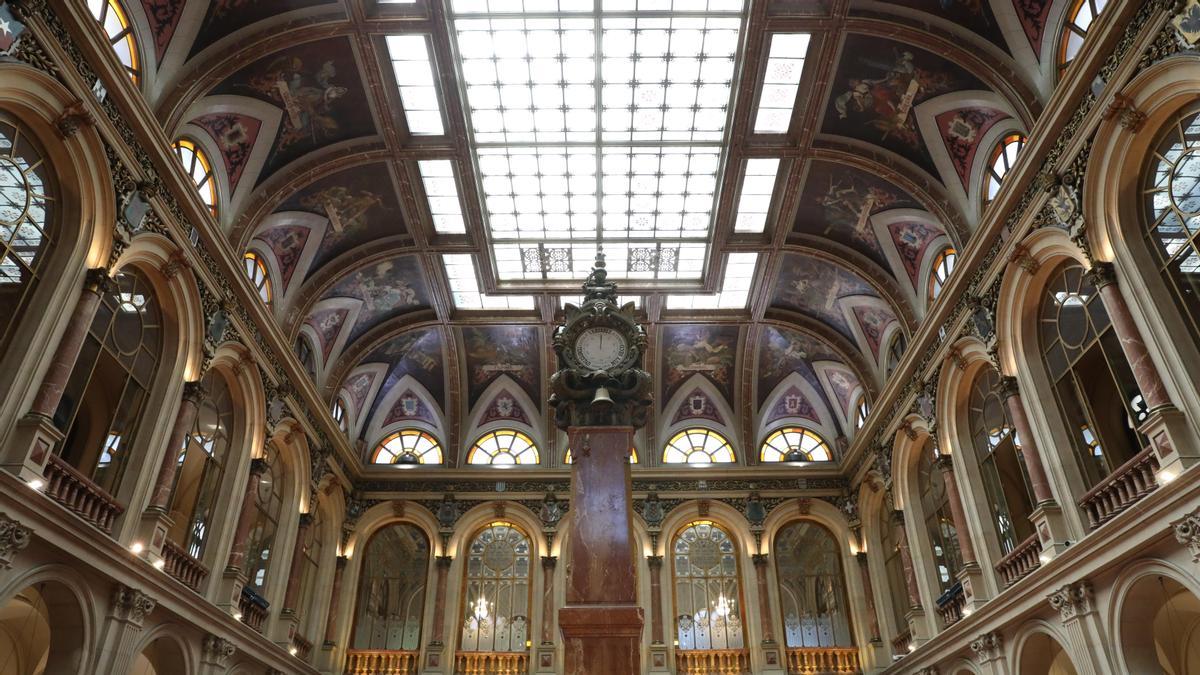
(306, 520)
(258, 466)
(216, 650)
(549, 561)
(193, 392)
(897, 517)
(945, 463)
(760, 559)
(1073, 600)
(1186, 529)
(1008, 387)
(14, 537)
(988, 646)
(341, 562)
(861, 557)
(130, 604)
(654, 561)
(97, 280)
(1102, 274)
(443, 561)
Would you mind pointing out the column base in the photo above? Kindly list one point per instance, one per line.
(918, 627)
(1051, 529)
(33, 440)
(659, 660)
(229, 593)
(1172, 440)
(545, 658)
(975, 593)
(434, 655)
(602, 639)
(774, 661)
(152, 532)
(286, 627)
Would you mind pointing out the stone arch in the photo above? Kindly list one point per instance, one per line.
(1039, 648)
(68, 610)
(1134, 614)
(163, 650)
(910, 441)
(679, 399)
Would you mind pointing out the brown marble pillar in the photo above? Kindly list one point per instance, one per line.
(95, 284)
(548, 564)
(864, 571)
(910, 573)
(1104, 278)
(655, 562)
(291, 595)
(602, 622)
(764, 599)
(1011, 394)
(439, 601)
(962, 531)
(237, 553)
(164, 485)
(335, 593)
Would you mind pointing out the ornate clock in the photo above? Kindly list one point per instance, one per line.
(600, 380)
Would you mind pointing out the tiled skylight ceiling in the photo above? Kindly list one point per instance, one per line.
(414, 76)
(735, 287)
(441, 191)
(464, 287)
(597, 123)
(785, 65)
(754, 202)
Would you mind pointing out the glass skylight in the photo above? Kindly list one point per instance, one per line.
(735, 287)
(414, 76)
(785, 65)
(593, 123)
(755, 201)
(464, 287)
(441, 191)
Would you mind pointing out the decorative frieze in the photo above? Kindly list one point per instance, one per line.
(1187, 532)
(14, 537)
(1073, 600)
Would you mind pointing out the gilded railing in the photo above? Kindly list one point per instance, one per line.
(1020, 561)
(821, 660)
(381, 662)
(712, 661)
(1130, 482)
(181, 566)
(491, 663)
(65, 485)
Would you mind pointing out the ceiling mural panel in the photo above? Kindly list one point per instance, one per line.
(504, 406)
(386, 289)
(235, 135)
(287, 243)
(709, 350)
(878, 85)
(783, 351)
(793, 403)
(697, 406)
(962, 131)
(317, 87)
(912, 239)
(226, 16)
(416, 353)
(409, 407)
(817, 287)
(327, 323)
(358, 387)
(163, 16)
(974, 15)
(874, 321)
(492, 351)
(360, 204)
(1033, 15)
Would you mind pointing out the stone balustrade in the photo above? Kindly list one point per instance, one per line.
(253, 608)
(65, 485)
(712, 661)
(951, 604)
(902, 644)
(182, 567)
(303, 646)
(821, 660)
(1022, 560)
(1122, 488)
(491, 663)
(381, 662)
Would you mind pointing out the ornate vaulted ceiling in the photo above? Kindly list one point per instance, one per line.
(881, 169)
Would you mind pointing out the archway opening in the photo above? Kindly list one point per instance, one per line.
(1043, 655)
(1160, 627)
(42, 631)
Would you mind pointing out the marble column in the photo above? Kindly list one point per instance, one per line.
(916, 613)
(546, 649)
(335, 593)
(602, 622)
(156, 521)
(658, 648)
(35, 434)
(433, 650)
(291, 594)
(1047, 516)
(764, 599)
(971, 576)
(237, 553)
(864, 571)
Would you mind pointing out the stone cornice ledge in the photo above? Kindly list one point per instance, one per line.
(1091, 557)
(61, 529)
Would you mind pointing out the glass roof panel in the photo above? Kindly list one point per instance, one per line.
(781, 81)
(418, 89)
(441, 191)
(594, 124)
(464, 287)
(758, 184)
(735, 287)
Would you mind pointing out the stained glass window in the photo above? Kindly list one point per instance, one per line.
(496, 592)
(411, 446)
(115, 22)
(735, 286)
(413, 69)
(754, 202)
(504, 447)
(196, 164)
(787, 440)
(27, 221)
(698, 446)
(943, 265)
(441, 193)
(312, 548)
(391, 589)
(339, 414)
(707, 592)
(464, 287)
(781, 82)
(268, 504)
(812, 591)
(897, 585)
(1004, 156)
(895, 352)
(1079, 20)
(256, 270)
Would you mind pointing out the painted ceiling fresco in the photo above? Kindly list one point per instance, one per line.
(817, 287)
(783, 352)
(416, 353)
(707, 350)
(962, 131)
(974, 15)
(318, 89)
(228, 16)
(493, 351)
(163, 16)
(386, 289)
(235, 135)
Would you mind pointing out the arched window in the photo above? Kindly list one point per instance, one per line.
(496, 592)
(893, 566)
(707, 592)
(794, 444)
(503, 447)
(943, 265)
(304, 352)
(699, 447)
(408, 447)
(1004, 155)
(895, 352)
(1001, 463)
(256, 270)
(1093, 385)
(1172, 198)
(860, 412)
(939, 523)
(633, 456)
(339, 414)
(104, 400)
(268, 504)
(202, 461)
(27, 219)
(115, 21)
(812, 591)
(391, 589)
(196, 164)
(1079, 20)
(312, 549)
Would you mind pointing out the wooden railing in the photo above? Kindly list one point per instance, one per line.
(1129, 483)
(380, 662)
(821, 660)
(65, 485)
(183, 567)
(951, 604)
(1022, 560)
(491, 663)
(902, 645)
(303, 647)
(253, 608)
(712, 661)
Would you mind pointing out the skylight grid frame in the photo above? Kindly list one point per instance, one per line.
(583, 229)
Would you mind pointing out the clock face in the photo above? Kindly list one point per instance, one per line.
(600, 348)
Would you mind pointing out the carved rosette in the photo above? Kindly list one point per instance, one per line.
(131, 604)
(1186, 529)
(1073, 600)
(14, 537)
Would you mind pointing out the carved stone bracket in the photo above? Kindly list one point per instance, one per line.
(1073, 600)
(988, 646)
(72, 119)
(131, 604)
(1125, 112)
(14, 537)
(1187, 532)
